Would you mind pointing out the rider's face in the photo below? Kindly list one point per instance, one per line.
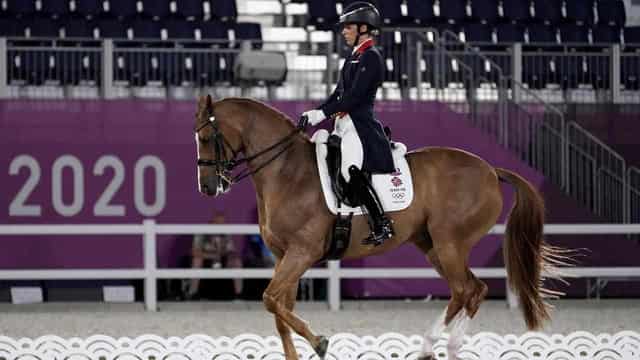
(350, 32)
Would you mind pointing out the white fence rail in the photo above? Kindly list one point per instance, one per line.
(150, 273)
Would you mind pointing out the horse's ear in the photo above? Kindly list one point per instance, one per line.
(209, 103)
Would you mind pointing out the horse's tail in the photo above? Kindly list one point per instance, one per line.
(526, 254)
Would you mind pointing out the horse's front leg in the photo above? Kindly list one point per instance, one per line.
(283, 329)
(285, 279)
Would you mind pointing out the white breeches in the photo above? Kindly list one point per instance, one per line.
(350, 147)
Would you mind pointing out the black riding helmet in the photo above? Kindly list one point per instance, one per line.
(361, 12)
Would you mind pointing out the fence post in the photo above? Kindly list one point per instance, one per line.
(615, 74)
(516, 67)
(4, 69)
(334, 285)
(419, 51)
(107, 69)
(150, 267)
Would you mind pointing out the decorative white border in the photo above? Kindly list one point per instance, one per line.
(579, 345)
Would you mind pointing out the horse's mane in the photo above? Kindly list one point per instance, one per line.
(277, 114)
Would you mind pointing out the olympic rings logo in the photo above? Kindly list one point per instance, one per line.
(398, 196)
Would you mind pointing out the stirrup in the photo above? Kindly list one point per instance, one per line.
(381, 233)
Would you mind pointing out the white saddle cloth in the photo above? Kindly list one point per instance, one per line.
(395, 190)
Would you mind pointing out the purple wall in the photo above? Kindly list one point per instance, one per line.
(130, 130)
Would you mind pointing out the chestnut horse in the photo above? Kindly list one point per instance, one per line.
(457, 201)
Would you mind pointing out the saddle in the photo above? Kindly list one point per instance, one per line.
(395, 190)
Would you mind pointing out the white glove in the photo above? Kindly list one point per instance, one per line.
(315, 116)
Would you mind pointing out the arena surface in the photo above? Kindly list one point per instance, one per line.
(357, 317)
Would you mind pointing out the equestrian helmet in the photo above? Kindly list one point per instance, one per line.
(360, 12)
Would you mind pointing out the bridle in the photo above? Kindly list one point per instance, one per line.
(223, 165)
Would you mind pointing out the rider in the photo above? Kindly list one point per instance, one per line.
(365, 147)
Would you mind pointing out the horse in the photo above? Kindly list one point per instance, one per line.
(457, 200)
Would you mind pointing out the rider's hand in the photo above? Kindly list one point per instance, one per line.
(315, 116)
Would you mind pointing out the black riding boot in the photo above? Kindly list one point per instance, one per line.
(381, 226)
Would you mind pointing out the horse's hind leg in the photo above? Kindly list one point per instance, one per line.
(479, 293)
(432, 335)
(449, 257)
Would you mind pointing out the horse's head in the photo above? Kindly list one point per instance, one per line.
(216, 154)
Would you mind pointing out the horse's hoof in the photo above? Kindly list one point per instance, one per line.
(322, 347)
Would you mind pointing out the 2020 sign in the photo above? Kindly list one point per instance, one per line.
(105, 205)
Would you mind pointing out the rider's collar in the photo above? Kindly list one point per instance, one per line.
(363, 46)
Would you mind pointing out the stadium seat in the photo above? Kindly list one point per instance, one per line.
(393, 49)
(570, 33)
(55, 8)
(391, 13)
(78, 28)
(605, 34)
(421, 12)
(579, 12)
(20, 8)
(572, 70)
(632, 37)
(216, 31)
(612, 13)
(322, 14)
(42, 27)
(89, 8)
(146, 29)
(598, 71)
(478, 33)
(548, 12)
(541, 34)
(516, 11)
(156, 9)
(485, 11)
(249, 31)
(453, 11)
(537, 71)
(190, 9)
(227, 10)
(123, 9)
(510, 33)
(111, 28)
(11, 27)
(17, 68)
(178, 28)
(205, 69)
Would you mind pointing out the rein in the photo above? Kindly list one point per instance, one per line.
(223, 166)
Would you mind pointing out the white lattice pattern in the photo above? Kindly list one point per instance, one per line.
(581, 345)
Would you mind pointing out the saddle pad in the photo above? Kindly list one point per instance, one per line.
(395, 190)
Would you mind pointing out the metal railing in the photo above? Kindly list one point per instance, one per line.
(633, 198)
(596, 166)
(334, 273)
